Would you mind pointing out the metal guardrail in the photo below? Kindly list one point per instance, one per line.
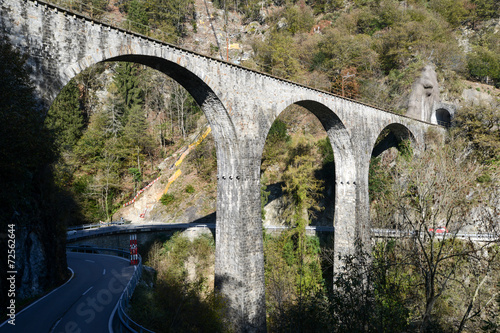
(394, 233)
(95, 230)
(125, 323)
(88, 231)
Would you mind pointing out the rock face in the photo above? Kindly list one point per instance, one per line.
(476, 97)
(40, 258)
(425, 93)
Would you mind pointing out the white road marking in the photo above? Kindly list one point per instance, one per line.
(104, 272)
(55, 325)
(29, 306)
(87, 291)
(92, 261)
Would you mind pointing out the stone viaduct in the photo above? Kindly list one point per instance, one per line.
(240, 105)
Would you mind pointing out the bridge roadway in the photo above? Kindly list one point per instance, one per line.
(83, 304)
(94, 230)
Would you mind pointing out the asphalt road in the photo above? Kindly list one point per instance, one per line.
(84, 304)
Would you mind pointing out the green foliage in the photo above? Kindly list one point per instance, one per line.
(89, 147)
(478, 124)
(189, 189)
(293, 275)
(276, 56)
(368, 294)
(136, 175)
(278, 131)
(126, 80)
(484, 64)
(378, 179)
(197, 307)
(405, 149)
(167, 16)
(138, 16)
(302, 189)
(455, 12)
(65, 117)
(485, 9)
(299, 18)
(326, 150)
(167, 198)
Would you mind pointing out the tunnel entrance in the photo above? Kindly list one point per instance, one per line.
(443, 117)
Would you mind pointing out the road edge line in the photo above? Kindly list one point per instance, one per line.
(38, 300)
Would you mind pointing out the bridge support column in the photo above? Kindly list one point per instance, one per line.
(239, 258)
(363, 230)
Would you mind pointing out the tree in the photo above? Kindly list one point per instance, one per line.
(438, 189)
(65, 117)
(126, 80)
(302, 189)
(478, 125)
(276, 56)
(170, 16)
(137, 16)
(484, 65)
(88, 149)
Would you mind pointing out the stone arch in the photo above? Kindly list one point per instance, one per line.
(443, 114)
(191, 79)
(339, 138)
(390, 136)
(345, 175)
(443, 117)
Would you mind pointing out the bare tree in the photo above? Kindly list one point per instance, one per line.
(436, 197)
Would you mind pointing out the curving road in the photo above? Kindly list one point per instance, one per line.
(84, 304)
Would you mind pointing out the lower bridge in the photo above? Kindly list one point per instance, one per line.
(117, 234)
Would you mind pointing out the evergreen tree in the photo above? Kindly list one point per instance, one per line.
(65, 117)
(171, 15)
(126, 81)
(89, 147)
(138, 16)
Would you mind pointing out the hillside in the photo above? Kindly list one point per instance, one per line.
(374, 51)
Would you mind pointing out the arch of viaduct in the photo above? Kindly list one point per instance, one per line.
(240, 105)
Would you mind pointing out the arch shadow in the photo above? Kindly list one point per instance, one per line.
(344, 165)
(443, 117)
(206, 97)
(390, 137)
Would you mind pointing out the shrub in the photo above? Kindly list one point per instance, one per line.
(189, 189)
(167, 199)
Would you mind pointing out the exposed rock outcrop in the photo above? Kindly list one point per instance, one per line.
(424, 94)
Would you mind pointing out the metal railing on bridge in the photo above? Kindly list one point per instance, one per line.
(474, 236)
